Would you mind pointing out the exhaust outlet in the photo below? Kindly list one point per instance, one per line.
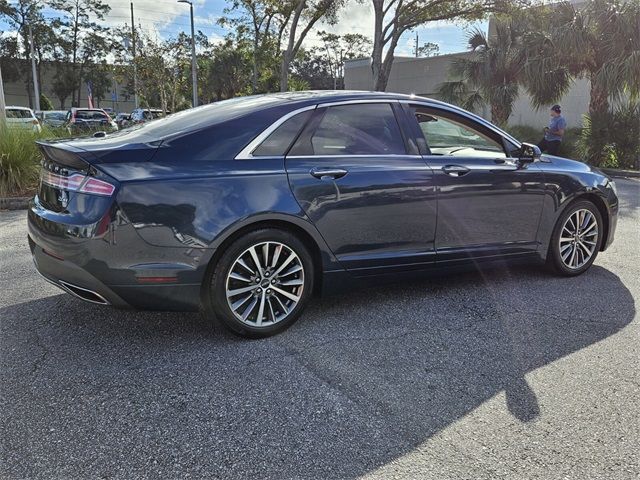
(83, 293)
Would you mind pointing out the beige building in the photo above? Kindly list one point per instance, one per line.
(19, 93)
(422, 76)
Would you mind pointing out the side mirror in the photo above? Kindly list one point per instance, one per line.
(529, 153)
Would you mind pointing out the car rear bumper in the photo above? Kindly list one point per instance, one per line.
(109, 271)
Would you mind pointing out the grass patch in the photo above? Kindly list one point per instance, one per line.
(20, 159)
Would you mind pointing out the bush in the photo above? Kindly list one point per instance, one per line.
(612, 139)
(528, 134)
(20, 158)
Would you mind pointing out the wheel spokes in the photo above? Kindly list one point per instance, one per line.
(265, 284)
(578, 238)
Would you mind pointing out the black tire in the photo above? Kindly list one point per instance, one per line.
(554, 259)
(217, 291)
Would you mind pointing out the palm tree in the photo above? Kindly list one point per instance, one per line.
(491, 73)
(599, 41)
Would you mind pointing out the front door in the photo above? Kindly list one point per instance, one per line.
(371, 199)
(488, 203)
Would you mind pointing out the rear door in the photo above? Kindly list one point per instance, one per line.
(369, 193)
(488, 203)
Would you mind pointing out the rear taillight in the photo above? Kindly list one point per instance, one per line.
(78, 183)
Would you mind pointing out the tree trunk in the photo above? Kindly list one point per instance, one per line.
(499, 114)
(284, 72)
(376, 54)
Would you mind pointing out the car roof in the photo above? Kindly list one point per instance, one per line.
(15, 107)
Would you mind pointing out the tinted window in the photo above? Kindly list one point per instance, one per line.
(282, 137)
(359, 129)
(18, 113)
(90, 115)
(455, 136)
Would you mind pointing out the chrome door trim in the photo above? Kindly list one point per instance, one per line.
(247, 152)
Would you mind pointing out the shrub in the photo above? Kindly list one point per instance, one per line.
(528, 134)
(612, 139)
(20, 158)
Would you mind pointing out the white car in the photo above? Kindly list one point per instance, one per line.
(22, 117)
(141, 115)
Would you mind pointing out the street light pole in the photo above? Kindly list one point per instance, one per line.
(194, 66)
(3, 113)
(34, 72)
(133, 51)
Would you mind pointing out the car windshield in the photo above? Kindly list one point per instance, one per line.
(90, 115)
(18, 113)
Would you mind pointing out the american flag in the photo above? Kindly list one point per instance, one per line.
(89, 95)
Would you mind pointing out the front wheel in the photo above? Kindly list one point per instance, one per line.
(262, 283)
(576, 239)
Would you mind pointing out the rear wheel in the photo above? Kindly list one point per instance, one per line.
(576, 239)
(261, 283)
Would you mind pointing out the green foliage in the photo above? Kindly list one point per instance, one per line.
(491, 72)
(612, 139)
(20, 157)
(45, 103)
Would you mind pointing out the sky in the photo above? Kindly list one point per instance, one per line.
(168, 17)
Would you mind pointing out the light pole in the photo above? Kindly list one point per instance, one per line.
(194, 68)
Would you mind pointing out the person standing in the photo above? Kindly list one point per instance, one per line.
(554, 132)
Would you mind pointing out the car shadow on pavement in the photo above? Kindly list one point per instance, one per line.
(360, 380)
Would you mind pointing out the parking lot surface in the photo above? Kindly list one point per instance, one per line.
(511, 373)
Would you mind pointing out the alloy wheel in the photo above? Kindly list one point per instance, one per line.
(265, 284)
(578, 238)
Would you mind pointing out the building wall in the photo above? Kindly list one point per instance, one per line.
(422, 76)
(16, 93)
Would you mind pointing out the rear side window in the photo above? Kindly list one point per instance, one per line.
(18, 113)
(358, 129)
(282, 137)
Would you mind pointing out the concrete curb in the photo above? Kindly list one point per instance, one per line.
(614, 172)
(14, 203)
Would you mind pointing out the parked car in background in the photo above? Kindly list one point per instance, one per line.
(123, 120)
(246, 207)
(22, 117)
(52, 118)
(142, 115)
(79, 120)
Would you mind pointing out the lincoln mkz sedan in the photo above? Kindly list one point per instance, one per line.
(246, 207)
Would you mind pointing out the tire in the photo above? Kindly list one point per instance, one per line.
(569, 246)
(258, 301)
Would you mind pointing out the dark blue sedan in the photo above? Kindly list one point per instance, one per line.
(246, 207)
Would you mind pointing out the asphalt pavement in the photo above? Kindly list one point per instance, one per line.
(508, 374)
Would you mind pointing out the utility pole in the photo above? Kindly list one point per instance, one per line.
(194, 65)
(416, 44)
(36, 87)
(3, 113)
(133, 51)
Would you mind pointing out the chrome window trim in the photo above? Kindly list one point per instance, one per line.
(359, 155)
(247, 152)
(471, 116)
(359, 101)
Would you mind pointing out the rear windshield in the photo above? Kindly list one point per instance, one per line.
(90, 115)
(203, 116)
(18, 113)
(54, 115)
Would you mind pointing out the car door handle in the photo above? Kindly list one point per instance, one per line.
(325, 173)
(455, 170)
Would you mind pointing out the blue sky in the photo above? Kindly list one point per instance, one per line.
(168, 18)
